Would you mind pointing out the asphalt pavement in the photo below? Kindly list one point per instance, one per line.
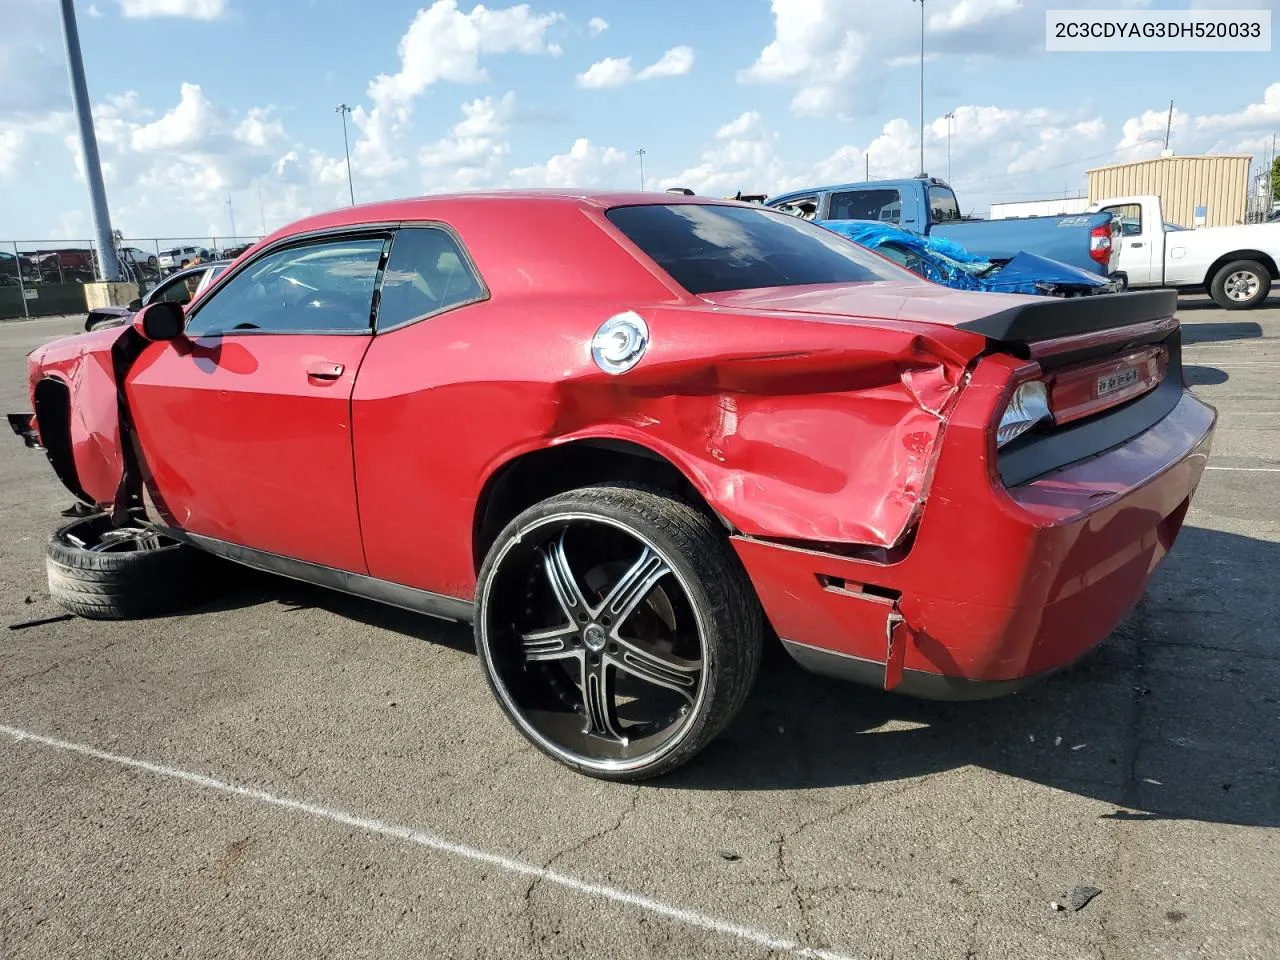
(293, 773)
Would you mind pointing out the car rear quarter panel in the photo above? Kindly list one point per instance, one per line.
(789, 428)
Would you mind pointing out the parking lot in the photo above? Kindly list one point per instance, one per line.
(290, 772)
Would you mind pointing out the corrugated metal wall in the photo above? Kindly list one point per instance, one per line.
(1219, 183)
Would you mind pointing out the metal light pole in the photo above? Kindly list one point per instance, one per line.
(107, 263)
(231, 213)
(640, 154)
(922, 170)
(950, 116)
(1168, 127)
(343, 109)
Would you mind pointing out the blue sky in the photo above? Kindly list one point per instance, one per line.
(201, 100)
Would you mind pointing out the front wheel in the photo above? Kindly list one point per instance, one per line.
(103, 572)
(617, 629)
(1241, 285)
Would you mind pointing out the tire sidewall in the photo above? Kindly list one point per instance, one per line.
(1219, 288)
(702, 725)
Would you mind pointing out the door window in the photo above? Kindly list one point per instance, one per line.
(427, 273)
(323, 287)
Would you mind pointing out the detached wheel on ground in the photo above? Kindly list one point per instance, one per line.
(106, 573)
(617, 629)
(1240, 285)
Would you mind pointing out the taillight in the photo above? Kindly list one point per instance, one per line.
(1100, 245)
(1028, 406)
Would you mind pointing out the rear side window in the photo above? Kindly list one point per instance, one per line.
(426, 274)
(708, 248)
(882, 205)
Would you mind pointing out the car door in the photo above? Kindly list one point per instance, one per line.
(1139, 248)
(244, 423)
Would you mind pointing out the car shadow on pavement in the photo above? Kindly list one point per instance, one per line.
(1216, 332)
(1176, 716)
(1199, 375)
(1186, 304)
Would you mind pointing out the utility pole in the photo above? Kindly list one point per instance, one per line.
(867, 156)
(231, 213)
(1168, 127)
(950, 116)
(922, 170)
(107, 263)
(343, 109)
(640, 154)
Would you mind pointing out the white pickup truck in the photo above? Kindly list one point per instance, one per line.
(1237, 265)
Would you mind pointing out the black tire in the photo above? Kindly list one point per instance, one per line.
(707, 580)
(124, 584)
(1241, 285)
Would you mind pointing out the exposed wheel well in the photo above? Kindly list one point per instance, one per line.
(535, 476)
(1256, 255)
(53, 416)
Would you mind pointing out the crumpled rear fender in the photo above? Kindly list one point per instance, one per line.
(816, 440)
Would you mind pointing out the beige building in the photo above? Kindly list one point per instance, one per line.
(1219, 184)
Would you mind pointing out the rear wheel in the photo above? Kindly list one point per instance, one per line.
(103, 572)
(617, 629)
(1241, 285)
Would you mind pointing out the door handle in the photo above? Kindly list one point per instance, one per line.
(1136, 246)
(324, 370)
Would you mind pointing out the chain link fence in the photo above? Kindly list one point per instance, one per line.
(40, 278)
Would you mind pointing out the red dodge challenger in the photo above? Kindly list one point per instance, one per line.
(628, 436)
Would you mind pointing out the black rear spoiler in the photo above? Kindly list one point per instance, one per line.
(1051, 318)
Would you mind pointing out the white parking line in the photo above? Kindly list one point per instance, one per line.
(1247, 469)
(601, 891)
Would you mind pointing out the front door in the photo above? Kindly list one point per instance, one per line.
(1140, 259)
(245, 422)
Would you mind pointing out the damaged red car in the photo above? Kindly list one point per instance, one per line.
(631, 437)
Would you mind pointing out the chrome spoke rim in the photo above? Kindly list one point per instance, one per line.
(598, 653)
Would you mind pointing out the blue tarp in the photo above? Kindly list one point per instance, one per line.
(946, 262)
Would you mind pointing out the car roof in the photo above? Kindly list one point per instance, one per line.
(444, 206)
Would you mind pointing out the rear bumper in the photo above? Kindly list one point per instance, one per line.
(1001, 586)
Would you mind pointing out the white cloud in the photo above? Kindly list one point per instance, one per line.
(475, 150)
(442, 43)
(1255, 116)
(744, 124)
(609, 72)
(835, 53)
(194, 9)
(12, 141)
(585, 165)
(676, 62)
(970, 13)
(616, 72)
(597, 25)
(191, 122)
(93, 10)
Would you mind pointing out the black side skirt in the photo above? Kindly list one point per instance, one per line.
(356, 584)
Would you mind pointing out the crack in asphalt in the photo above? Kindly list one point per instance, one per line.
(527, 908)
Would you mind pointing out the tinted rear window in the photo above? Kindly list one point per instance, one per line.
(710, 249)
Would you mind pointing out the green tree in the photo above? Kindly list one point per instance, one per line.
(1275, 178)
